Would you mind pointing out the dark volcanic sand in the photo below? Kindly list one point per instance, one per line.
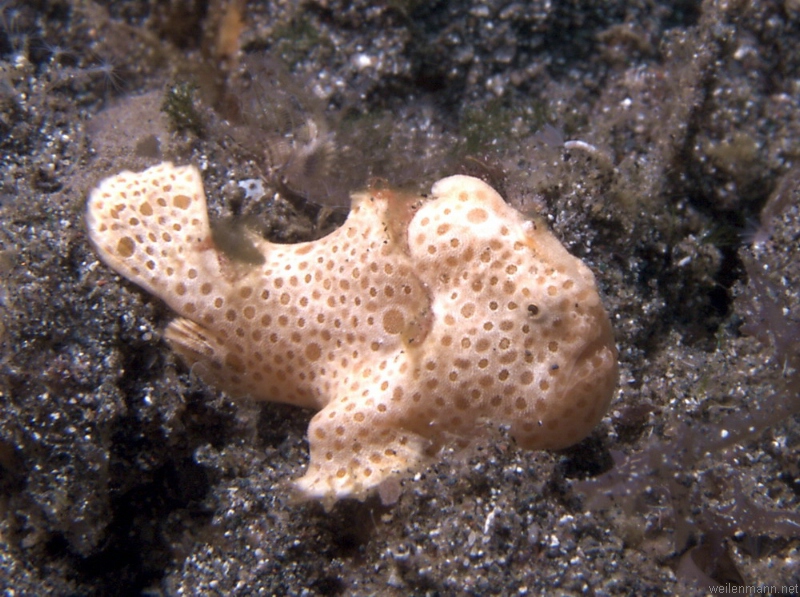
(650, 136)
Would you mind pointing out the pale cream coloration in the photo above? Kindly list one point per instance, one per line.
(420, 324)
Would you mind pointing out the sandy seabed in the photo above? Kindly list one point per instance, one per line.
(658, 142)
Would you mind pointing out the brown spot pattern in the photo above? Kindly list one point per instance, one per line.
(387, 335)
